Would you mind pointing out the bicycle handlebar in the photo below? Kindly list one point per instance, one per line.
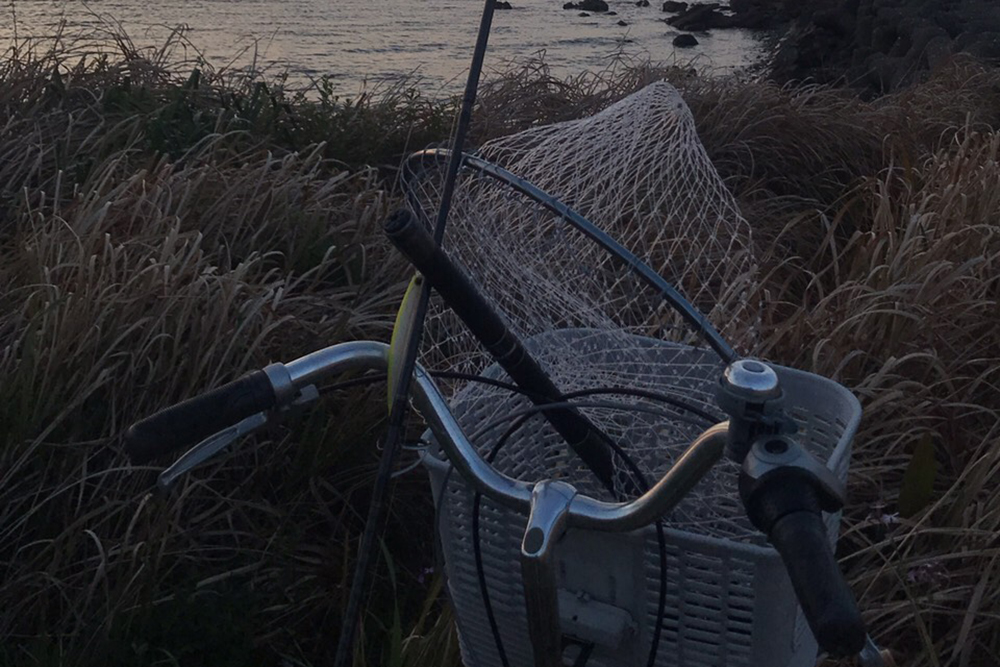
(202, 416)
(786, 508)
(584, 512)
(197, 418)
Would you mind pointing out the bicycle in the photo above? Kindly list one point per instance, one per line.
(769, 413)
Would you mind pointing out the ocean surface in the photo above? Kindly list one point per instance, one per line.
(361, 43)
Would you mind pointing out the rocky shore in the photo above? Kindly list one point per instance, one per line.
(875, 45)
(882, 45)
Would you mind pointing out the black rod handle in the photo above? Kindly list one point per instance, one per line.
(461, 295)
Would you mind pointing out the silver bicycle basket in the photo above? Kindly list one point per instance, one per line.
(726, 600)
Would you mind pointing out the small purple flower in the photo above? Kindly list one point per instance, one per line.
(424, 574)
(889, 519)
(931, 572)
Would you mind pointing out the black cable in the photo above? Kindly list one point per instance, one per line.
(611, 405)
(513, 388)
(451, 375)
(509, 386)
(484, 591)
(521, 418)
(481, 576)
(661, 602)
(652, 395)
(661, 542)
(584, 657)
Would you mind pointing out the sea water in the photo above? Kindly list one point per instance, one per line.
(359, 44)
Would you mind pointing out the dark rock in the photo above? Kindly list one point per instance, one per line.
(612, 14)
(588, 5)
(937, 52)
(642, 3)
(684, 41)
(622, 23)
(701, 18)
(885, 72)
(904, 37)
(672, 6)
(964, 40)
(835, 20)
(880, 45)
(952, 23)
(503, 5)
(884, 35)
(922, 35)
(863, 30)
(859, 57)
(583, 14)
(761, 14)
(762, 20)
(986, 46)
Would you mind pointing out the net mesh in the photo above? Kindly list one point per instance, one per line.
(638, 171)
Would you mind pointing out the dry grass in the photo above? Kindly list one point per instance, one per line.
(905, 312)
(163, 232)
(133, 277)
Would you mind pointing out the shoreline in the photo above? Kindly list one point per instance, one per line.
(391, 51)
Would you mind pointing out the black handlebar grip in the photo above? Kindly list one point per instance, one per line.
(785, 506)
(193, 420)
(827, 601)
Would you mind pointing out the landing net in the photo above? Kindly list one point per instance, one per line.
(639, 172)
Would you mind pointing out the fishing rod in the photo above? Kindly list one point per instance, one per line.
(407, 364)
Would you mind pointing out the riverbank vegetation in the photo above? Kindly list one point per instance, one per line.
(165, 227)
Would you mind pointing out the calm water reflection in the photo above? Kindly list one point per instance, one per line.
(377, 40)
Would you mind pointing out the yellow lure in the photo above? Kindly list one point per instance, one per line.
(401, 332)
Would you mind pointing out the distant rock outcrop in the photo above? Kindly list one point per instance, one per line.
(685, 41)
(879, 45)
(885, 44)
(750, 14)
(701, 17)
(588, 5)
(503, 5)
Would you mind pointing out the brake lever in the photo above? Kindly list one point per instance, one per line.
(214, 444)
(872, 656)
(208, 448)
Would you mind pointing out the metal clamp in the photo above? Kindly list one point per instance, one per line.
(781, 455)
(750, 394)
(550, 503)
(872, 656)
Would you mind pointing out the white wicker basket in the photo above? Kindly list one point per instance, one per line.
(728, 601)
